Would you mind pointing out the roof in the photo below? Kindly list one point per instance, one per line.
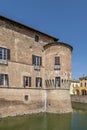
(58, 43)
(25, 26)
(83, 78)
(75, 81)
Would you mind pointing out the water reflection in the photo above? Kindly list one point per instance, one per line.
(59, 122)
(79, 120)
(75, 121)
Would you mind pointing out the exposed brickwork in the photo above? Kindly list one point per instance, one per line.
(21, 42)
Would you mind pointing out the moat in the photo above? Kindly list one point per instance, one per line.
(44, 121)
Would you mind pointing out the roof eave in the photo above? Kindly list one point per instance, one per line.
(18, 23)
(58, 43)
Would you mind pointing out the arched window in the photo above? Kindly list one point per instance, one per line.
(85, 84)
(77, 92)
(84, 92)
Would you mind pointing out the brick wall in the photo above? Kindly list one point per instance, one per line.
(21, 42)
(13, 101)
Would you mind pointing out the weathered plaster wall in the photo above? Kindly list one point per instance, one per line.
(12, 101)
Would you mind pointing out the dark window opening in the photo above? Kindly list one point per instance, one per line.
(36, 38)
(26, 98)
(57, 81)
(85, 84)
(62, 80)
(84, 92)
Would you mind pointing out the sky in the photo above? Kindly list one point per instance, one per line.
(64, 19)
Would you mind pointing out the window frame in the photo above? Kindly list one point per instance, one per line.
(26, 81)
(57, 63)
(57, 84)
(37, 62)
(4, 55)
(38, 82)
(4, 80)
(37, 38)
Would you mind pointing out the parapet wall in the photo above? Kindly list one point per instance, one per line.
(79, 98)
(26, 101)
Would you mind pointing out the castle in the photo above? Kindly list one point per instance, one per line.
(35, 71)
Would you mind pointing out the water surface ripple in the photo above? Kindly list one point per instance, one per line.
(44, 121)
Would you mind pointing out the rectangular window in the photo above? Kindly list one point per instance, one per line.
(27, 81)
(38, 82)
(4, 80)
(57, 81)
(37, 62)
(36, 38)
(4, 55)
(57, 63)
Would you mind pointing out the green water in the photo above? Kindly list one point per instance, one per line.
(75, 121)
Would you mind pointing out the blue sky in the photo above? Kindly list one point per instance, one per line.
(64, 19)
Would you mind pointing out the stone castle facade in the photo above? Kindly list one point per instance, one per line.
(35, 71)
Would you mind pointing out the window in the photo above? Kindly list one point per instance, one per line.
(38, 82)
(57, 63)
(57, 81)
(27, 81)
(4, 55)
(84, 92)
(36, 38)
(4, 80)
(26, 97)
(37, 62)
(85, 84)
